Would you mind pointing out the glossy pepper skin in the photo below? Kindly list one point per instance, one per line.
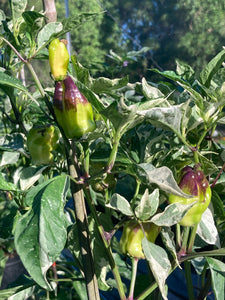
(58, 59)
(193, 182)
(41, 141)
(132, 236)
(73, 111)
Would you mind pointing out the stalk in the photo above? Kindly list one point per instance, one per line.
(187, 267)
(192, 237)
(84, 238)
(105, 241)
(133, 277)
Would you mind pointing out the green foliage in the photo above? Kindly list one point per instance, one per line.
(146, 132)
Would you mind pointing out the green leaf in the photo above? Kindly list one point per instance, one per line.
(9, 158)
(170, 75)
(168, 240)
(168, 118)
(29, 175)
(184, 70)
(159, 263)
(172, 214)
(207, 229)
(22, 290)
(102, 265)
(82, 73)
(163, 177)
(40, 234)
(7, 80)
(211, 68)
(148, 205)
(92, 97)
(5, 185)
(17, 7)
(31, 19)
(121, 204)
(48, 30)
(207, 165)
(217, 269)
(74, 21)
(123, 117)
(104, 85)
(150, 91)
(12, 142)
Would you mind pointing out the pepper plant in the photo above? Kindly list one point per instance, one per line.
(100, 175)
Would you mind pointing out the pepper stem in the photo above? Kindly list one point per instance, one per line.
(133, 277)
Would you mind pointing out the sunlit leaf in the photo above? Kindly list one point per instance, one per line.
(159, 263)
(40, 234)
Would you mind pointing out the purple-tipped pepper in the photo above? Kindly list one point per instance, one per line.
(41, 141)
(58, 59)
(73, 111)
(131, 240)
(193, 182)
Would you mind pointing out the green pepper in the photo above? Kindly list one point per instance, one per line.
(41, 141)
(73, 111)
(58, 59)
(107, 181)
(132, 236)
(193, 182)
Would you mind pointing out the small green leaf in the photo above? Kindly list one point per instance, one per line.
(170, 75)
(148, 205)
(163, 177)
(207, 229)
(121, 204)
(211, 68)
(12, 142)
(9, 158)
(5, 185)
(172, 214)
(48, 30)
(104, 85)
(150, 91)
(217, 269)
(159, 264)
(82, 74)
(29, 175)
(121, 115)
(168, 240)
(17, 7)
(7, 80)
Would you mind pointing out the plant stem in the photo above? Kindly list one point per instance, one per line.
(101, 231)
(192, 237)
(113, 153)
(178, 235)
(183, 249)
(83, 234)
(205, 289)
(187, 267)
(136, 193)
(36, 79)
(133, 277)
(147, 292)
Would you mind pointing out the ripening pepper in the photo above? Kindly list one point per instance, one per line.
(132, 236)
(41, 141)
(73, 111)
(58, 59)
(193, 182)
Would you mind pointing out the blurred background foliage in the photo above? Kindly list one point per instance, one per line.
(132, 36)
